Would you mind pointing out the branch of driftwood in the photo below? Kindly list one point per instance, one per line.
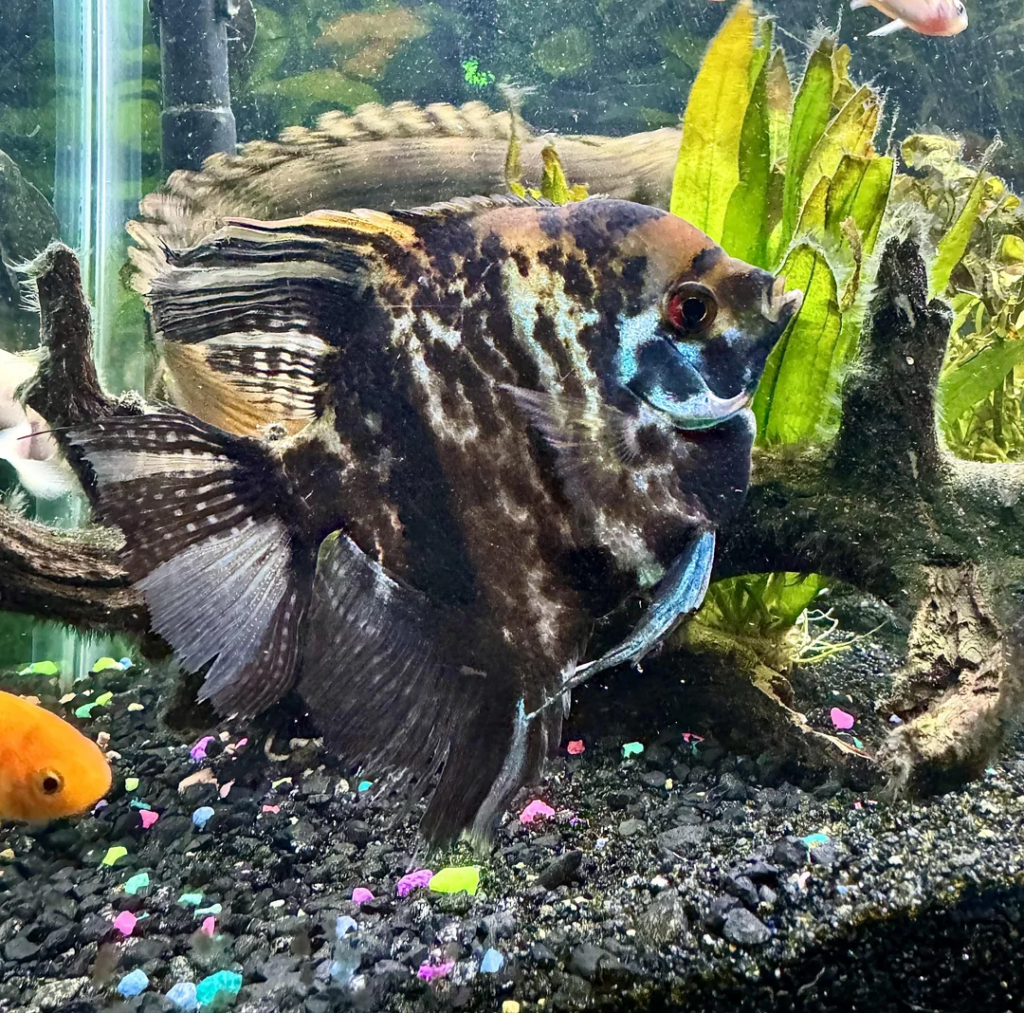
(884, 508)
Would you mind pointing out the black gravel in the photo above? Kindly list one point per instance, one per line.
(678, 879)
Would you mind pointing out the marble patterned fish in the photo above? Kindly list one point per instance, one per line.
(503, 419)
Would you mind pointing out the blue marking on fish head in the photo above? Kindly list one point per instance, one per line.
(696, 352)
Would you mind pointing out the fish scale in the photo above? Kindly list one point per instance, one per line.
(522, 416)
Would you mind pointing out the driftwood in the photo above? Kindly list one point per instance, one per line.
(884, 508)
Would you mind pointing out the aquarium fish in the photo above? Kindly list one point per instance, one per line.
(26, 442)
(48, 768)
(508, 418)
(927, 17)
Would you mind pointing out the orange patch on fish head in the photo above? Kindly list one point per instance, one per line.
(705, 294)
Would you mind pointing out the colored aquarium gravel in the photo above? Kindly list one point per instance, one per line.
(114, 855)
(456, 879)
(183, 996)
(133, 983)
(136, 883)
(221, 986)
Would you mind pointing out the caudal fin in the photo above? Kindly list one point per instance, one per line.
(212, 541)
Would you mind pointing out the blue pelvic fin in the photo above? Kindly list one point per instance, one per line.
(680, 591)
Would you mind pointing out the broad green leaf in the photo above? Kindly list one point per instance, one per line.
(812, 217)
(757, 604)
(812, 110)
(746, 226)
(800, 377)
(707, 171)
(859, 190)
(780, 105)
(953, 244)
(842, 87)
(970, 383)
(851, 132)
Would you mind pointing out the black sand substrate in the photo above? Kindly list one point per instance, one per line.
(686, 877)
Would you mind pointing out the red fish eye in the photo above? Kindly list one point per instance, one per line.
(691, 308)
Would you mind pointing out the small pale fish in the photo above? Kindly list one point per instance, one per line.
(507, 418)
(48, 768)
(26, 442)
(926, 17)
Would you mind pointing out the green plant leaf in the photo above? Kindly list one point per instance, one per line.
(780, 105)
(801, 375)
(746, 226)
(707, 171)
(953, 244)
(759, 604)
(850, 132)
(812, 217)
(860, 190)
(970, 383)
(812, 110)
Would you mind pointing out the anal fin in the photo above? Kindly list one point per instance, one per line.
(382, 677)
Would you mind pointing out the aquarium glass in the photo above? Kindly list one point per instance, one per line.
(511, 505)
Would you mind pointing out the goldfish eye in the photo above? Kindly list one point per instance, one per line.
(691, 308)
(51, 782)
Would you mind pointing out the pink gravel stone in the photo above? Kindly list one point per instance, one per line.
(360, 895)
(575, 748)
(414, 880)
(842, 720)
(125, 923)
(535, 810)
(428, 971)
(148, 818)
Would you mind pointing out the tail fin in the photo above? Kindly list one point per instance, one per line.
(213, 540)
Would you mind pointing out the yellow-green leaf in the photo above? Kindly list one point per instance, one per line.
(780, 105)
(746, 226)
(812, 217)
(851, 132)
(842, 87)
(708, 167)
(970, 383)
(953, 244)
(800, 377)
(812, 109)
(860, 190)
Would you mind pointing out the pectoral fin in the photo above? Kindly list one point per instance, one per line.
(680, 591)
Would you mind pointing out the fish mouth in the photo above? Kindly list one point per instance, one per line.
(779, 306)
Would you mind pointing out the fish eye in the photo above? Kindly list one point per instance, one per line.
(51, 782)
(691, 308)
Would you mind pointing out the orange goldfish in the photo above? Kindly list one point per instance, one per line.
(926, 17)
(48, 768)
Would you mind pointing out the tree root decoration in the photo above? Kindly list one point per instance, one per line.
(887, 510)
(73, 577)
(884, 509)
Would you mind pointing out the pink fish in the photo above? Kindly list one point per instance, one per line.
(26, 442)
(926, 17)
